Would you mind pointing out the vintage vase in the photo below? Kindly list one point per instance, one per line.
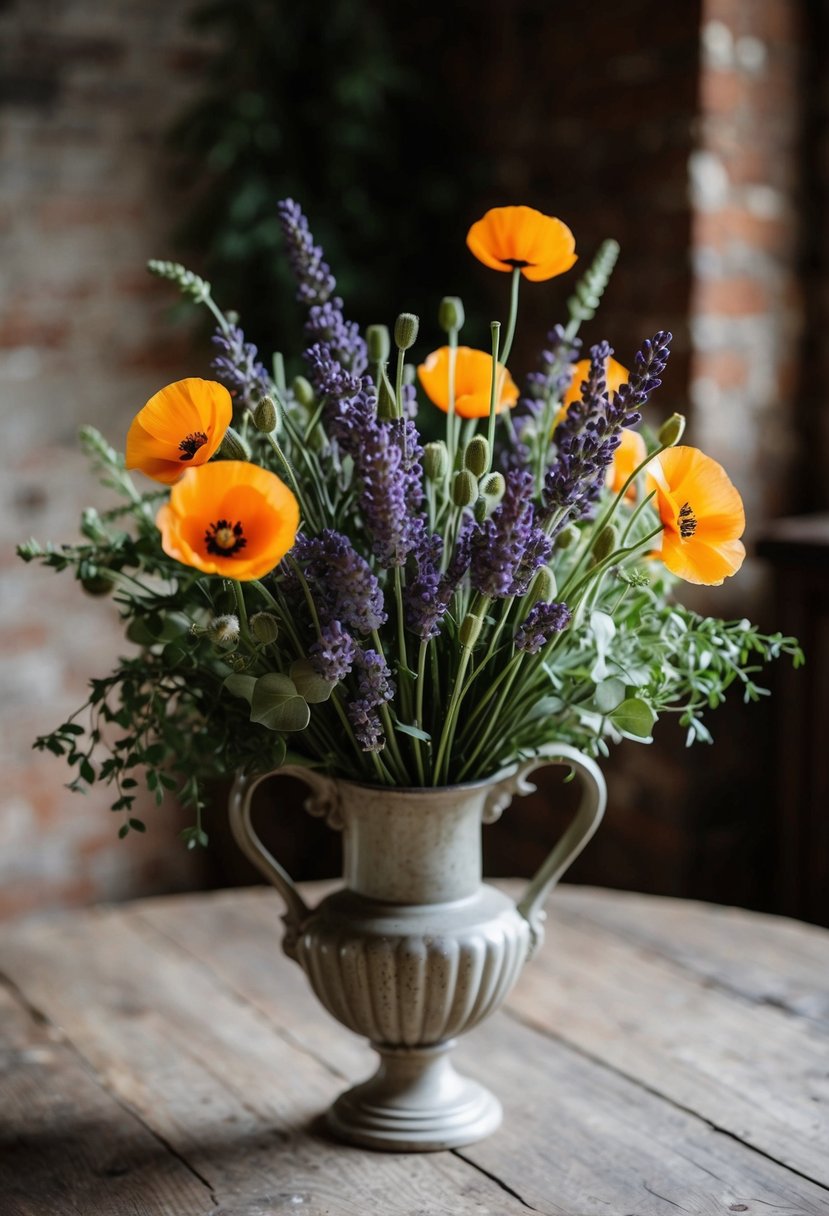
(415, 949)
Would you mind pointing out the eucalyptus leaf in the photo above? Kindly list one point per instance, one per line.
(604, 631)
(608, 695)
(240, 686)
(277, 704)
(309, 683)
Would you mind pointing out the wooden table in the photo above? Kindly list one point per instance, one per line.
(657, 1057)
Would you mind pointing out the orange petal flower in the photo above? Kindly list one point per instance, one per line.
(702, 514)
(614, 374)
(473, 382)
(627, 457)
(179, 428)
(512, 238)
(231, 518)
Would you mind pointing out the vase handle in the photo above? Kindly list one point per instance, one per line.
(587, 818)
(322, 800)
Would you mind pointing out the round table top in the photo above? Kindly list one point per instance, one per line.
(656, 1056)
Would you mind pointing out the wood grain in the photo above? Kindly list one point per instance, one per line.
(639, 1077)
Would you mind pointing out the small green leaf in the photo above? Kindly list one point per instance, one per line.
(138, 633)
(414, 731)
(123, 830)
(277, 704)
(309, 683)
(138, 824)
(634, 717)
(240, 686)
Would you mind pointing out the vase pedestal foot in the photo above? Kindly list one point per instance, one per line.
(415, 1102)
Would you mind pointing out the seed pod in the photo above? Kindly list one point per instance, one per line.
(543, 587)
(464, 488)
(476, 455)
(265, 627)
(567, 537)
(405, 330)
(450, 314)
(672, 430)
(494, 486)
(470, 630)
(264, 416)
(378, 343)
(435, 460)
(605, 543)
(303, 392)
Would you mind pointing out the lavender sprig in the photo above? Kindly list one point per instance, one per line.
(374, 688)
(238, 367)
(341, 581)
(542, 621)
(509, 547)
(333, 655)
(315, 282)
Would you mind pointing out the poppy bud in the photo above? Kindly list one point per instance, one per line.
(605, 543)
(224, 629)
(567, 537)
(378, 343)
(543, 587)
(464, 488)
(470, 631)
(405, 330)
(476, 455)
(233, 446)
(265, 627)
(386, 399)
(264, 416)
(450, 314)
(435, 460)
(494, 486)
(481, 509)
(303, 392)
(671, 430)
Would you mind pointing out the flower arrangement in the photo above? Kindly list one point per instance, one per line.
(313, 584)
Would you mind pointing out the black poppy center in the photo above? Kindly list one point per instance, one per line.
(687, 521)
(516, 263)
(224, 539)
(191, 444)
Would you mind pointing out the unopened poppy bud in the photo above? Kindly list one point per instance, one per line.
(476, 455)
(435, 460)
(605, 543)
(386, 398)
(464, 488)
(224, 629)
(672, 430)
(233, 446)
(543, 587)
(481, 509)
(567, 537)
(264, 416)
(265, 627)
(378, 343)
(405, 330)
(97, 584)
(450, 314)
(303, 392)
(470, 631)
(494, 486)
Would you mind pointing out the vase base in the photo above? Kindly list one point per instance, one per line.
(415, 1102)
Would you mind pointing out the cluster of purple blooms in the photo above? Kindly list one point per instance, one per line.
(501, 553)
(238, 367)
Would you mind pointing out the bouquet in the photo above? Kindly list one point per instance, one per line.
(308, 582)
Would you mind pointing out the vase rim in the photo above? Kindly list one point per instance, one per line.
(471, 786)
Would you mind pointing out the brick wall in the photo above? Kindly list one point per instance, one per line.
(88, 90)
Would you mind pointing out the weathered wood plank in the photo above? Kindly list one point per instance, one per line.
(66, 1146)
(769, 959)
(577, 1138)
(754, 1071)
(216, 1081)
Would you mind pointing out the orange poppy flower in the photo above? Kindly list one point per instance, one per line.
(627, 457)
(521, 238)
(231, 518)
(473, 382)
(179, 428)
(615, 376)
(702, 514)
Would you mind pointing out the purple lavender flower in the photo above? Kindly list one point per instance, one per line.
(553, 381)
(508, 548)
(315, 282)
(341, 581)
(542, 621)
(374, 688)
(590, 433)
(333, 655)
(422, 596)
(327, 327)
(237, 366)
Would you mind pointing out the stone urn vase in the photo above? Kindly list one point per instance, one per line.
(415, 949)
